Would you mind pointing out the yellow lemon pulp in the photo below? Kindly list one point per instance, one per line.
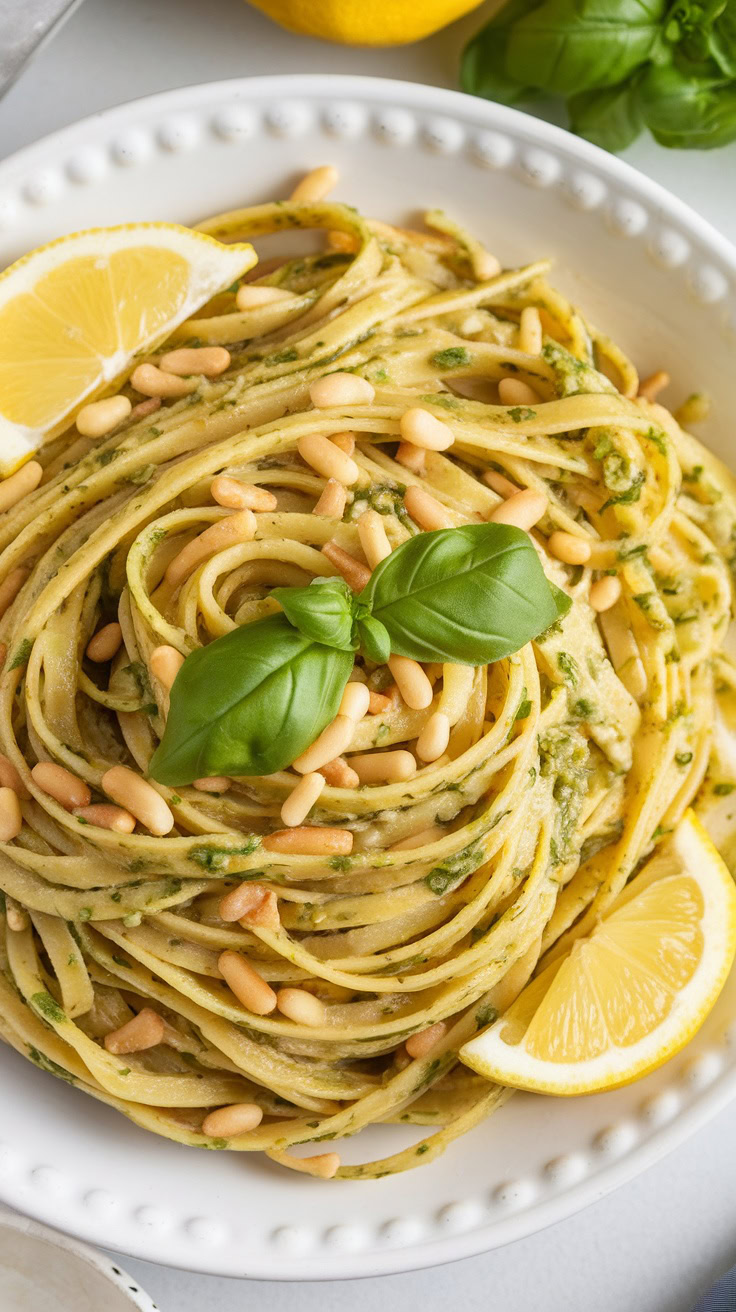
(365, 22)
(632, 994)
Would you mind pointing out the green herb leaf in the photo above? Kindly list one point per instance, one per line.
(687, 107)
(484, 69)
(609, 116)
(374, 640)
(249, 703)
(323, 611)
(453, 357)
(470, 595)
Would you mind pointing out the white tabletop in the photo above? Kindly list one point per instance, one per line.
(656, 1243)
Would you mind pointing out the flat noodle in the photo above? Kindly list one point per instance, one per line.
(567, 763)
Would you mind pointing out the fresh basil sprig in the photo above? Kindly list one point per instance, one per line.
(622, 65)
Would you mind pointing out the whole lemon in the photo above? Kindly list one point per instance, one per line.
(366, 22)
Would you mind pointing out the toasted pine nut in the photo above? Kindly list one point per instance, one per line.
(235, 495)
(17, 918)
(485, 266)
(605, 592)
(651, 387)
(214, 783)
(144, 408)
(457, 684)
(424, 837)
(227, 1122)
(661, 560)
(127, 788)
(373, 540)
(530, 331)
(11, 820)
(246, 902)
(411, 457)
(100, 417)
(18, 485)
(207, 360)
(435, 736)
(307, 840)
(513, 391)
(341, 389)
(355, 574)
(338, 774)
(378, 702)
(522, 510)
(383, 767)
(251, 297)
(426, 510)
(324, 1165)
(11, 586)
(61, 784)
(165, 663)
(412, 682)
(355, 701)
(106, 816)
(247, 985)
(301, 799)
(105, 643)
(265, 914)
(422, 428)
(227, 532)
(301, 1007)
(315, 185)
(328, 459)
(342, 241)
(145, 1030)
(332, 742)
(569, 548)
(9, 778)
(500, 483)
(333, 500)
(345, 441)
(151, 381)
(422, 1043)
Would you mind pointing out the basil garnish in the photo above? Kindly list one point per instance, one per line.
(322, 611)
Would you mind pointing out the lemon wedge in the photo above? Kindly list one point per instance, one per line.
(75, 313)
(632, 994)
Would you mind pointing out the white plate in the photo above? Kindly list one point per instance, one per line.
(663, 283)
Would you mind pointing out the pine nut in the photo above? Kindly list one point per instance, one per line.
(227, 1122)
(338, 774)
(426, 510)
(315, 185)
(605, 592)
(419, 1045)
(411, 457)
(250, 297)
(9, 778)
(18, 485)
(310, 841)
(265, 914)
(332, 742)
(651, 387)
(214, 783)
(165, 663)
(522, 510)
(105, 643)
(207, 360)
(421, 428)
(328, 459)
(345, 441)
(373, 540)
(301, 1007)
(435, 736)
(333, 500)
(241, 900)
(378, 702)
(135, 795)
(530, 331)
(355, 701)
(341, 389)
(513, 391)
(422, 839)
(412, 682)
(100, 417)
(457, 685)
(485, 266)
(106, 816)
(355, 574)
(300, 801)
(145, 1030)
(144, 408)
(342, 241)
(500, 483)
(383, 767)
(17, 918)
(11, 820)
(568, 548)
(227, 532)
(11, 586)
(325, 1165)
(61, 784)
(247, 985)
(151, 381)
(235, 495)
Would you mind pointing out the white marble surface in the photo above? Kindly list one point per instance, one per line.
(655, 1244)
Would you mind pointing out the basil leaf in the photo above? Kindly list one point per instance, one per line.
(568, 46)
(249, 703)
(483, 70)
(322, 611)
(470, 595)
(721, 40)
(611, 117)
(374, 640)
(686, 109)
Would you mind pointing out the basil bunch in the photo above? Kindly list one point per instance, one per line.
(251, 702)
(621, 65)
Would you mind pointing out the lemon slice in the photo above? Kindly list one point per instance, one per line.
(74, 314)
(630, 996)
